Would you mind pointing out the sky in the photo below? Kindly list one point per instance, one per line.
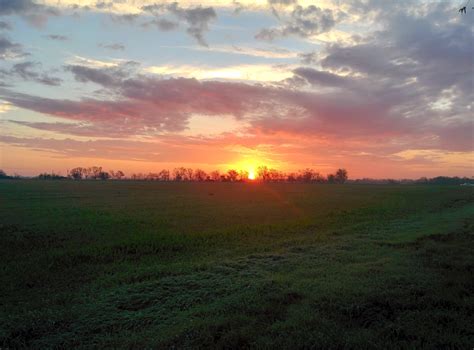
(381, 88)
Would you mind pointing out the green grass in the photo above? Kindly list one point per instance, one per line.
(214, 265)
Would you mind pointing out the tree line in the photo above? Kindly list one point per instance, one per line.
(263, 173)
(178, 174)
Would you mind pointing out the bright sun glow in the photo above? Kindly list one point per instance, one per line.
(251, 174)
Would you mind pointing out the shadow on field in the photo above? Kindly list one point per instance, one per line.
(436, 313)
(243, 303)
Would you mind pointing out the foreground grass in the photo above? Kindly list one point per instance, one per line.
(133, 264)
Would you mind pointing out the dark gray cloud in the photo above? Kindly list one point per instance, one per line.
(282, 2)
(9, 50)
(35, 14)
(86, 74)
(107, 77)
(321, 78)
(416, 65)
(413, 61)
(302, 21)
(127, 18)
(104, 5)
(113, 46)
(5, 25)
(238, 7)
(275, 4)
(9, 7)
(308, 57)
(162, 24)
(57, 37)
(197, 18)
(28, 71)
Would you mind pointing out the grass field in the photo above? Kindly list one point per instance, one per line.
(213, 265)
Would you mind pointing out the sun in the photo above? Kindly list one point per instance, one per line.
(251, 175)
(247, 169)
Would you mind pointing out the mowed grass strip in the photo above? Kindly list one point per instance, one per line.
(213, 265)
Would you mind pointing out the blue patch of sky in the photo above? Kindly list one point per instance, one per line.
(148, 46)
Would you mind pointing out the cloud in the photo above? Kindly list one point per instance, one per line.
(282, 2)
(308, 57)
(144, 105)
(274, 52)
(414, 60)
(10, 7)
(10, 50)
(105, 75)
(35, 14)
(105, 149)
(104, 5)
(127, 18)
(26, 71)
(5, 107)
(304, 22)
(162, 24)
(196, 18)
(238, 7)
(135, 6)
(177, 149)
(57, 37)
(248, 73)
(114, 46)
(5, 25)
(267, 52)
(78, 129)
(321, 78)
(85, 74)
(93, 63)
(149, 106)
